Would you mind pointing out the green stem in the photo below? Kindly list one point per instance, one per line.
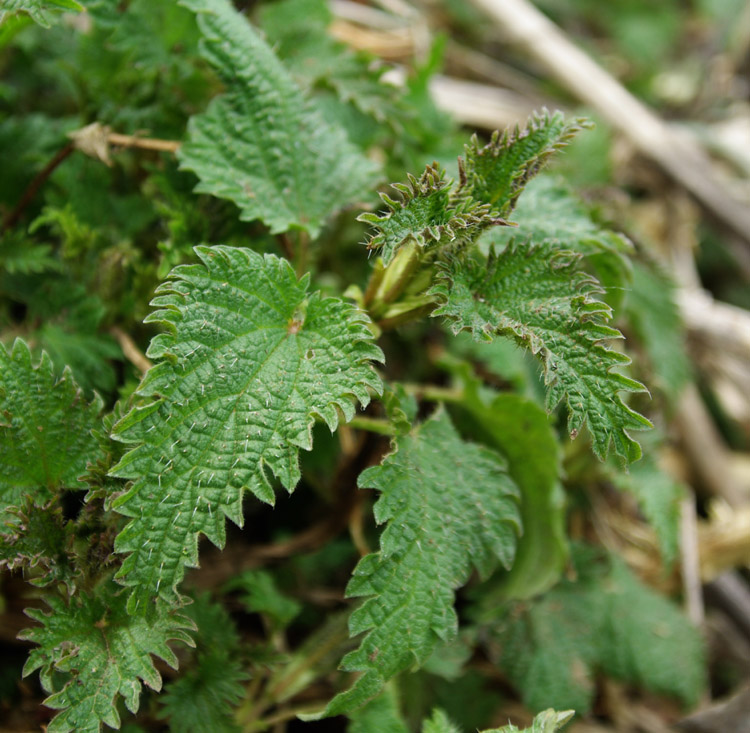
(372, 425)
(280, 717)
(432, 393)
(388, 284)
(301, 253)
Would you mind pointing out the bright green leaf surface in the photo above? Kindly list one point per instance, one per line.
(548, 209)
(537, 296)
(91, 652)
(249, 358)
(297, 30)
(45, 428)
(449, 505)
(261, 144)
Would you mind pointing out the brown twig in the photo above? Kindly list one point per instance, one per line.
(132, 353)
(94, 140)
(690, 561)
(706, 450)
(144, 143)
(356, 528)
(679, 156)
(286, 245)
(730, 592)
(12, 218)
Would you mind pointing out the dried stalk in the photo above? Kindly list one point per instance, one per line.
(679, 156)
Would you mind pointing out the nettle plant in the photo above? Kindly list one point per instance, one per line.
(256, 358)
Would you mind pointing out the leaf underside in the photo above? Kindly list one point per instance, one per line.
(450, 505)
(522, 432)
(91, 652)
(262, 144)
(249, 359)
(537, 296)
(45, 428)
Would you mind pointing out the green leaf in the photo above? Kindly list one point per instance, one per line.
(449, 505)
(548, 209)
(521, 431)
(297, 30)
(607, 621)
(249, 358)
(548, 647)
(380, 715)
(206, 693)
(21, 256)
(439, 722)
(260, 595)
(449, 660)
(45, 428)
(43, 12)
(91, 652)
(502, 360)
(647, 640)
(262, 144)
(496, 173)
(652, 313)
(659, 497)
(537, 296)
(400, 407)
(547, 721)
(38, 540)
(426, 215)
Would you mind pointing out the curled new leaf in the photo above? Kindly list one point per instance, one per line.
(426, 214)
(249, 358)
(496, 173)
